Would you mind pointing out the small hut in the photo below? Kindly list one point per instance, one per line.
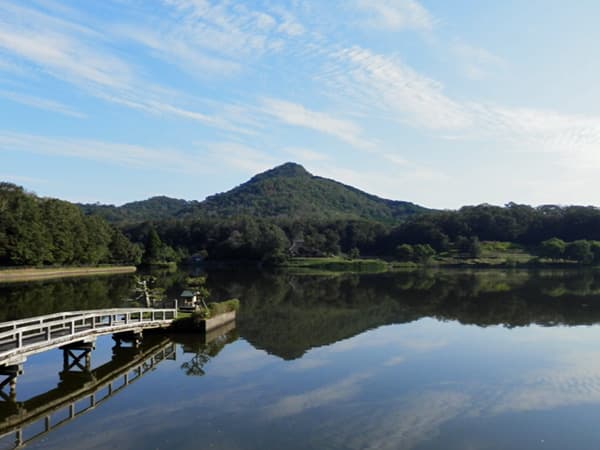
(188, 301)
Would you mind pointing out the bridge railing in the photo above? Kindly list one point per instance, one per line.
(18, 335)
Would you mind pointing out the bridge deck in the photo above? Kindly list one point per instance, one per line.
(23, 337)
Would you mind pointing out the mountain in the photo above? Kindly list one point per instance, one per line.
(154, 208)
(289, 191)
(286, 191)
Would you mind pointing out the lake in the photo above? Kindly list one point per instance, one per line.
(410, 360)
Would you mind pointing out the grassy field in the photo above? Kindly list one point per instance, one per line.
(30, 274)
(337, 264)
(492, 254)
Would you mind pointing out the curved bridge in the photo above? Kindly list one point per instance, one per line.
(24, 337)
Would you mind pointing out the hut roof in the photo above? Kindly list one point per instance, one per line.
(187, 293)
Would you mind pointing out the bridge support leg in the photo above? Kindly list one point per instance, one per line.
(10, 373)
(77, 356)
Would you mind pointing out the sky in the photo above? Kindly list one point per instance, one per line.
(436, 102)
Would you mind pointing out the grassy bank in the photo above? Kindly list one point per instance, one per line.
(43, 273)
(193, 321)
(337, 264)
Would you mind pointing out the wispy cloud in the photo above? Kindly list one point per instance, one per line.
(298, 115)
(334, 392)
(52, 44)
(106, 152)
(477, 63)
(305, 154)
(41, 103)
(80, 56)
(208, 38)
(396, 15)
(395, 89)
(238, 156)
(20, 178)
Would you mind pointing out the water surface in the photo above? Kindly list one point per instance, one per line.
(426, 360)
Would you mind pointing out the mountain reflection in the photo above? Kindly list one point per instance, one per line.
(287, 314)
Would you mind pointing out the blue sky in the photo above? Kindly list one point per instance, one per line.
(436, 102)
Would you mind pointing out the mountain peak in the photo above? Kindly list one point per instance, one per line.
(288, 170)
(287, 191)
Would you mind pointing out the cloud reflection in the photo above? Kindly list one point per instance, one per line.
(335, 392)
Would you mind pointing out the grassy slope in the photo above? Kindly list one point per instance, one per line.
(30, 274)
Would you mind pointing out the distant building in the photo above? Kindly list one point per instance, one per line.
(188, 301)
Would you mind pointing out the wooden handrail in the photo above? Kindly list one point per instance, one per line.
(45, 331)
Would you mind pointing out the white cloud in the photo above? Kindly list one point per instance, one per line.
(176, 49)
(396, 422)
(395, 361)
(334, 392)
(305, 154)
(306, 363)
(477, 63)
(224, 28)
(239, 156)
(75, 54)
(21, 179)
(297, 115)
(396, 14)
(41, 103)
(386, 84)
(106, 152)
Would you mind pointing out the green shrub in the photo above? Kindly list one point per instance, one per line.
(214, 309)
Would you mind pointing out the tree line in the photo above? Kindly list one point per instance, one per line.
(41, 231)
(38, 231)
(271, 240)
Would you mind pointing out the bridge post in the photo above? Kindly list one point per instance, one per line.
(10, 373)
(74, 353)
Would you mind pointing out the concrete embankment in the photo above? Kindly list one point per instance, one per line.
(31, 274)
(197, 324)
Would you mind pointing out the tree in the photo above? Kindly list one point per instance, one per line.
(553, 248)
(122, 251)
(353, 253)
(579, 251)
(423, 252)
(469, 246)
(152, 248)
(405, 252)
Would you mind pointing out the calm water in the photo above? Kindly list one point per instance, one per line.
(432, 360)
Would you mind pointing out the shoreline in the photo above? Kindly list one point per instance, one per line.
(46, 273)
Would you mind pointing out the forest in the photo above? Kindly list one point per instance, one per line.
(557, 233)
(37, 231)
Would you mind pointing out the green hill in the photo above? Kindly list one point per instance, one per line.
(155, 208)
(289, 191)
(286, 191)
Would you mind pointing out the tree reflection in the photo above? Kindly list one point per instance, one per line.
(287, 314)
(204, 347)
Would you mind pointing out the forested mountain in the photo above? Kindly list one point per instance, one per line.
(278, 214)
(289, 191)
(154, 208)
(285, 192)
(45, 231)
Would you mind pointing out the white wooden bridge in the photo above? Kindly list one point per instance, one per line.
(20, 338)
(71, 331)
